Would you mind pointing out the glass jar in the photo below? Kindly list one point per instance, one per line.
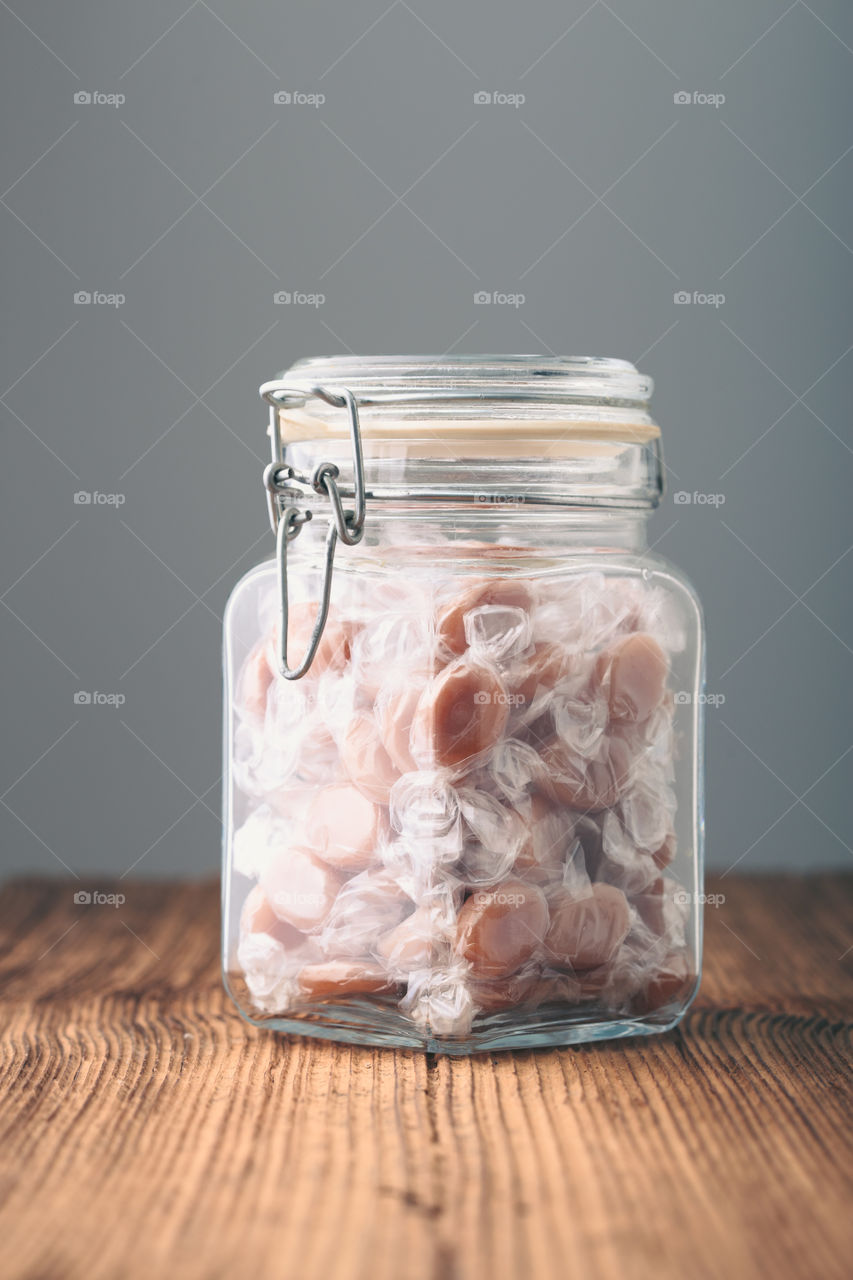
(463, 724)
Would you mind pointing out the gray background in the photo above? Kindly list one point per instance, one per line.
(399, 197)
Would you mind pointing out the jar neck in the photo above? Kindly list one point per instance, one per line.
(494, 531)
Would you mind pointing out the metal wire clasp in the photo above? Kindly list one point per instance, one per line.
(285, 485)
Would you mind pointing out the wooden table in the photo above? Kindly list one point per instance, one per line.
(148, 1132)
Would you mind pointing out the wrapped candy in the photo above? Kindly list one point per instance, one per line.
(365, 909)
(466, 809)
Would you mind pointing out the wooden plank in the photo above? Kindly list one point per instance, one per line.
(146, 1130)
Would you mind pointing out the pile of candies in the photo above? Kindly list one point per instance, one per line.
(466, 806)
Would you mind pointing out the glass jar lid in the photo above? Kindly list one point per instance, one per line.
(545, 429)
(473, 396)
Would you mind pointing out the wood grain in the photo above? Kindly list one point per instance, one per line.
(145, 1130)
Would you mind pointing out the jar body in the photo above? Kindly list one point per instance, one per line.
(476, 822)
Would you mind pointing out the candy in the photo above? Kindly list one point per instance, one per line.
(635, 672)
(668, 987)
(586, 932)
(497, 591)
(345, 828)
(494, 834)
(340, 978)
(270, 975)
(665, 854)
(390, 642)
(588, 785)
(526, 990)
(440, 1002)
(497, 632)
(465, 809)
(300, 888)
(253, 843)
(395, 712)
(539, 671)
(500, 929)
(255, 680)
(663, 906)
(460, 715)
(366, 907)
(366, 760)
(624, 864)
(414, 943)
(425, 805)
(514, 767)
(548, 833)
(258, 916)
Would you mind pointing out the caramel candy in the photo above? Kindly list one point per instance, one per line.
(665, 854)
(541, 670)
(301, 888)
(588, 785)
(255, 680)
(672, 984)
(344, 827)
(461, 713)
(636, 669)
(525, 990)
(588, 834)
(499, 929)
(548, 834)
(593, 981)
(368, 906)
(587, 932)
(664, 908)
(412, 944)
(366, 760)
(258, 916)
(394, 715)
(334, 979)
(650, 906)
(451, 620)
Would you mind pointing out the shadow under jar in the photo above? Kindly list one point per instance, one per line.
(463, 782)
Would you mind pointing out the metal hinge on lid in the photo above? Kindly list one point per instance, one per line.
(285, 486)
